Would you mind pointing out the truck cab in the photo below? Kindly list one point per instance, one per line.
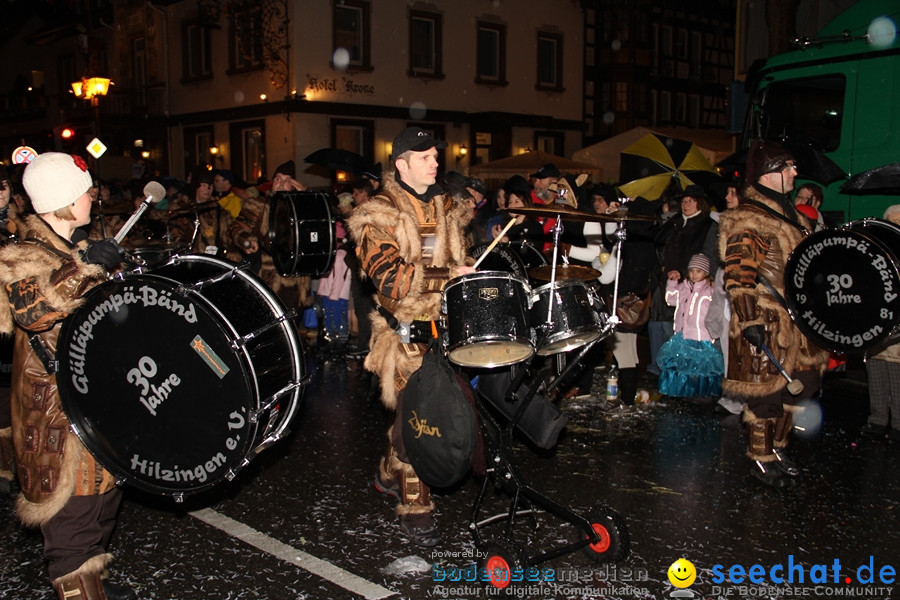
(839, 93)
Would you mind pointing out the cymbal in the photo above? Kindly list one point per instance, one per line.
(543, 273)
(196, 208)
(567, 213)
(563, 211)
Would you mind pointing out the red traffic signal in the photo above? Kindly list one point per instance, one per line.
(67, 133)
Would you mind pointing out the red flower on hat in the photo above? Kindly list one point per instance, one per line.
(79, 162)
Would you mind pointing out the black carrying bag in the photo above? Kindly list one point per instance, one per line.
(439, 425)
(542, 421)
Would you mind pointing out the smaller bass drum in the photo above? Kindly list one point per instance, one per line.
(487, 319)
(842, 286)
(302, 233)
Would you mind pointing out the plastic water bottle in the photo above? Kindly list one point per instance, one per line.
(612, 384)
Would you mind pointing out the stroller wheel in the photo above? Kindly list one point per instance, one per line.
(498, 562)
(614, 541)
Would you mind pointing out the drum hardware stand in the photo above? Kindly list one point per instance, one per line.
(526, 500)
(247, 338)
(620, 235)
(184, 288)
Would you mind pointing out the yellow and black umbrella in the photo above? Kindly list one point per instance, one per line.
(651, 164)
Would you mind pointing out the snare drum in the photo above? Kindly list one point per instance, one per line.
(842, 286)
(565, 315)
(301, 233)
(176, 378)
(487, 319)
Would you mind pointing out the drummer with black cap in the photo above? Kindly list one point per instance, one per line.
(410, 243)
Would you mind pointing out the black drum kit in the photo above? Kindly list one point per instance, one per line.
(503, 322)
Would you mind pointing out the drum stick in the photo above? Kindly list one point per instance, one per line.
(794, 386)
(494, 243)
(153, 192)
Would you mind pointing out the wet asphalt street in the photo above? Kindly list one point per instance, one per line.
(303, 520)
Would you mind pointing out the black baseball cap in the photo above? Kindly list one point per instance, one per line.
(415, 139)
(548, 170)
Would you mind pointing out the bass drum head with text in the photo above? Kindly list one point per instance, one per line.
(159, 382)
(842, 286)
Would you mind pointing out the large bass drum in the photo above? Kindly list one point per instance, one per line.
(176, 378)
(842, 286)
(302, 233)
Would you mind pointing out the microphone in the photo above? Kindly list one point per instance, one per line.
(153, 193)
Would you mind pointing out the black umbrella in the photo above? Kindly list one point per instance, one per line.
(811, 162)
(338, 159)
(880, 180)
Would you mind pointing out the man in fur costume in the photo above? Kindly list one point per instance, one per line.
(409, 241)
(43, 277)
(755, 240)
(252, 225)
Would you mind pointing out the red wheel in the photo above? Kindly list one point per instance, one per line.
(497, 563)
(498, 571)
(613, 544)
(605, 541)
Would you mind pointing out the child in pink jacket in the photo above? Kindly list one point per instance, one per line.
(690, 365)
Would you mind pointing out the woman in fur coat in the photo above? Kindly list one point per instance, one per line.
(65, 492)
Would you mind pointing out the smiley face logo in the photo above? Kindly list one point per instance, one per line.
(682, 573)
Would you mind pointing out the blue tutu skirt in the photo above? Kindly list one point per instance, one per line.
(690, 368)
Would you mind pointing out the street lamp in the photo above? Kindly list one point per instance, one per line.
(91, 88)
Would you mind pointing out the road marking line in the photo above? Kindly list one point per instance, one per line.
(304, 560)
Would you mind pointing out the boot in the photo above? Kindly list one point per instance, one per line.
(783, 427)
(760, 436)
(82, 586)
(415, 508)
(628, 382)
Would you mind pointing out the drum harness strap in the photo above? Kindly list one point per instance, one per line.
(411, 332)
(803, 230)
(37, 343)
(51, 365)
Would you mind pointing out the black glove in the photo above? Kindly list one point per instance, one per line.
(106, 252)
(756, 335)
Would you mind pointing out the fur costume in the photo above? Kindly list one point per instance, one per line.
(394, 217)
(253, 224)
(753, 242)
(41, 283)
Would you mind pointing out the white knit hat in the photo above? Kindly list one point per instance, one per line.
(54, 180)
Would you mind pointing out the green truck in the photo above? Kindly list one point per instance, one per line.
(838, 93)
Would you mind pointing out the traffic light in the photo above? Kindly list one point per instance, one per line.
(66, 133)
